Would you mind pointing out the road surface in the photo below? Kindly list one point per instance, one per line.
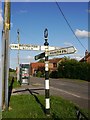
(73, 90)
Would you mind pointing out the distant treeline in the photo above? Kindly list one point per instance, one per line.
(71, 68)
(11, 70)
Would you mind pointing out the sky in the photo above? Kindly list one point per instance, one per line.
(31, 18)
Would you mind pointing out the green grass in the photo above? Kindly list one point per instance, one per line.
(15, 84)
(32, 106)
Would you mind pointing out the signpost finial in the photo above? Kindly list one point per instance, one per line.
(46, 37)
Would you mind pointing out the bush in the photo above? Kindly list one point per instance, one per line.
(72, 69)
(39, 74)
(54, 74)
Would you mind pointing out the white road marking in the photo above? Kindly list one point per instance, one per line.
(65, 92)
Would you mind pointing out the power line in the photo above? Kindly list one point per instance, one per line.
(69, 24)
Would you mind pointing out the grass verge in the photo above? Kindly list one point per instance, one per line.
(32, 106)
(15, 83)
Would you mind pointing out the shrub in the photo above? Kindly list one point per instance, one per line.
(54, 74)
(39, 74)
(74, 70)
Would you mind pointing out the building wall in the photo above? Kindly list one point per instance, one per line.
(88, 59)
(34, 67)
(53, 63)
(50, 65)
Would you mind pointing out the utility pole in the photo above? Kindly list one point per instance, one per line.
(2, 90)
(47, 99)
(2, 68)
(18, 39)
(88, 27)
(5, 54)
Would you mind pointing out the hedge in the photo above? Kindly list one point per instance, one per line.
(72, 69)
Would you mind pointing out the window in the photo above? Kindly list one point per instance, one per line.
(54, 64)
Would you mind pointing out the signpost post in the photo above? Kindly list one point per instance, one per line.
(48, 51)
(47, 99)
(18, 56)
(42, 55)
(46, 54)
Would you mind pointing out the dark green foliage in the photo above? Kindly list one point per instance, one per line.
(15, 84)
(11, 70)
(71, 68)
(40, 72)
(41, 60)
(54, 74)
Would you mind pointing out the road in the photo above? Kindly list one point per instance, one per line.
(73, 90)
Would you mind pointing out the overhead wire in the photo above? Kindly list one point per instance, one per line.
(69, 24)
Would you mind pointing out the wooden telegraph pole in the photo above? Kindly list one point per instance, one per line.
(5, 59)
(18, 39)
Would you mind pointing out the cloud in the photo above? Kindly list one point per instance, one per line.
(23, 11)
(1, 18)
(0, 62)
(88, 10)
(68, 44)
(26, 58)
(82, 33)
(11, 24)
(76, 56)
(0, 10)
(30, 57)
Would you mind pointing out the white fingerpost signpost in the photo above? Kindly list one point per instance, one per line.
(39, 56)
(62, 51)
(47, 99)
(48, 51)
(46, 54)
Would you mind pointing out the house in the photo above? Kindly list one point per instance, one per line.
(34, 67)
(86, 58)
(53, 64)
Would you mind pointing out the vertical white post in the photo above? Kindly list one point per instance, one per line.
(47, 99)
(18, 69)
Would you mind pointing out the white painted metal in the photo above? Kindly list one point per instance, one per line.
(46, 84)
(62, 51)
(46, 66)
(14, 46)
(30, 47)
(47, 103)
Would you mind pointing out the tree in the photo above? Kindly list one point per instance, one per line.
(41, 60)
(40, 72)
(71, 68)
(11, 70)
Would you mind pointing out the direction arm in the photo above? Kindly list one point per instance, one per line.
(42, 55)
(62, 51)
